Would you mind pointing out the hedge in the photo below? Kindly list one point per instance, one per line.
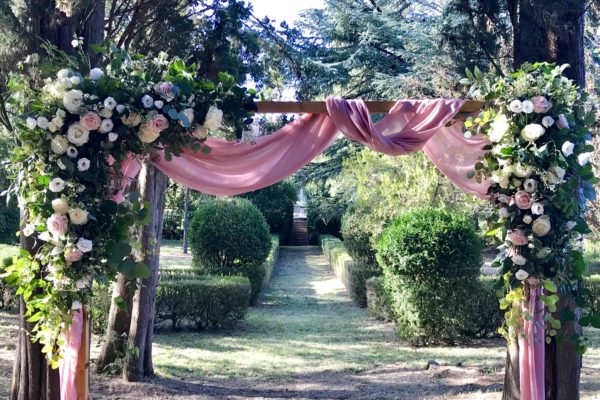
(7, 293)
(352, 274)
(230, 237)
(204, 302)
(377, 302)
(431, 261)
(592, 283)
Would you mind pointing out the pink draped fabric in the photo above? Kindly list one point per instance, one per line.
(68, 365)
(237, 167)
(531, 349)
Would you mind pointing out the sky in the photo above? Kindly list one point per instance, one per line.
(281, 10)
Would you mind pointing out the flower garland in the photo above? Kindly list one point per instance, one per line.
(72, 136)
(538, 166)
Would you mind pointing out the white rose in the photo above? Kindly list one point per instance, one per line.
(537, 208)
(58, 121)
(110, 103)
(527, 219)
(516, 106)
(532, 132)
(547, 121)
(562, 122)
(523, 171)
(120, 108)
(214, 118)
(75, 43)
(96, 73)
(527, 107)
(60, 113)
(106, 126)
(498, 128)
(77, 135)
(42, 122)
(504, 182)
(558, 171)
(147, 101)
(584, 158)
(159, 104)
(57, 185)
(567, 148)
(63, 73)
(72, 100)
(570, 225)
(112, 137)
(72, 152)
(60, 206)
(75, 80)
(530, 185)
(28, 230)
(541, 226)
(518, 260)
(59, 144)
(52, 128)
(83, 164)
(543, 252)
(105, 113)
(31, 123)
(84, 245)
(78, 216)
(521, 274)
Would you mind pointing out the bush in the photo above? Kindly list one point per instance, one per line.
(172, 225)
(8, 300)
(431, 262)
(276, 203)
(592, 283)
(323, 217)
(100, 307)
(9, 221)
(377, 302)
(352, 275)
(231, 237)
(486, 316)
(204, 302)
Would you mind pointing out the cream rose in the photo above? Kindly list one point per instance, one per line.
(521, 274)
(78, 216)
(90, 121)
(498, 128)
(147, 135)
(72, 100)
(59, 144)
(131, 120)
(200, 132)
(77, 134)
(60, 206)
(532, 132)
(523, 171)
(541, 226)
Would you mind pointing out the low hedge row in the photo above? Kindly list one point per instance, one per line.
(345, 268)
(593, 284)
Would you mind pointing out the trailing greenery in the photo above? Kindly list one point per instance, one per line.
(231, 237)
(204, 301)
(276, 203)
(431, 261)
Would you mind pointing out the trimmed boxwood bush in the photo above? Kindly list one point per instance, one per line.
(431, 262)
(276, 203)
(231, 237)
(358, 239)
(377, 302)
(204, 302)
(592, 283)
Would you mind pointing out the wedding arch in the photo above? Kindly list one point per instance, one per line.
(84, 134)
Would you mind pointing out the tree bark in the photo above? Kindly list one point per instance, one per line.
(153, 184)
(553, 31)
(186, 211)
(511, 376)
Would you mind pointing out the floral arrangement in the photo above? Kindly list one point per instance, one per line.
(538, 166)
(73, 131)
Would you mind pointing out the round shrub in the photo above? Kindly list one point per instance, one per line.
(431, 262)
(276, 203)
(231, 237)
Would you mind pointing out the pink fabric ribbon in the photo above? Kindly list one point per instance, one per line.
(67, 367)
(532, 349)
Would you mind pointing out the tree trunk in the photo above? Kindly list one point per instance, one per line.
(32, 379)
(511, 376)
(186, 220)
(551, 30)
(118, 325)
(153, 184)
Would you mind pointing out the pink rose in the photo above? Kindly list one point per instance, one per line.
(541, 104)
(158, 123)
(73, 255)
(57, 224)
(517, 237)
(90, 121)
(523, 200)
(164, 88)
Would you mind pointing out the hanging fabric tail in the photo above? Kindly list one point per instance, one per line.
(532, 349)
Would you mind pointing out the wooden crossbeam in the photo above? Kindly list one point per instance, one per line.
(317, 107)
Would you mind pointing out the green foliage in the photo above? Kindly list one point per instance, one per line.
(231, 237)
(276, 203)
(592, 257)
(8, 299)
(204, 302)
(100, 307)
(377, 301)
(172, 225)
(9, 222)
(431, 261)
(592, 284)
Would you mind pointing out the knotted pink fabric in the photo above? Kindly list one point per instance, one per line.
(531, 349)
(67, 367)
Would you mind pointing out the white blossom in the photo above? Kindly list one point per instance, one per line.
(547, 121)
(521, 274)
(516, 106)
(83, 164)
(96, 73)
(57, 185)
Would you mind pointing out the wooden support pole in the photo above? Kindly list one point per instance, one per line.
(317, 107)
